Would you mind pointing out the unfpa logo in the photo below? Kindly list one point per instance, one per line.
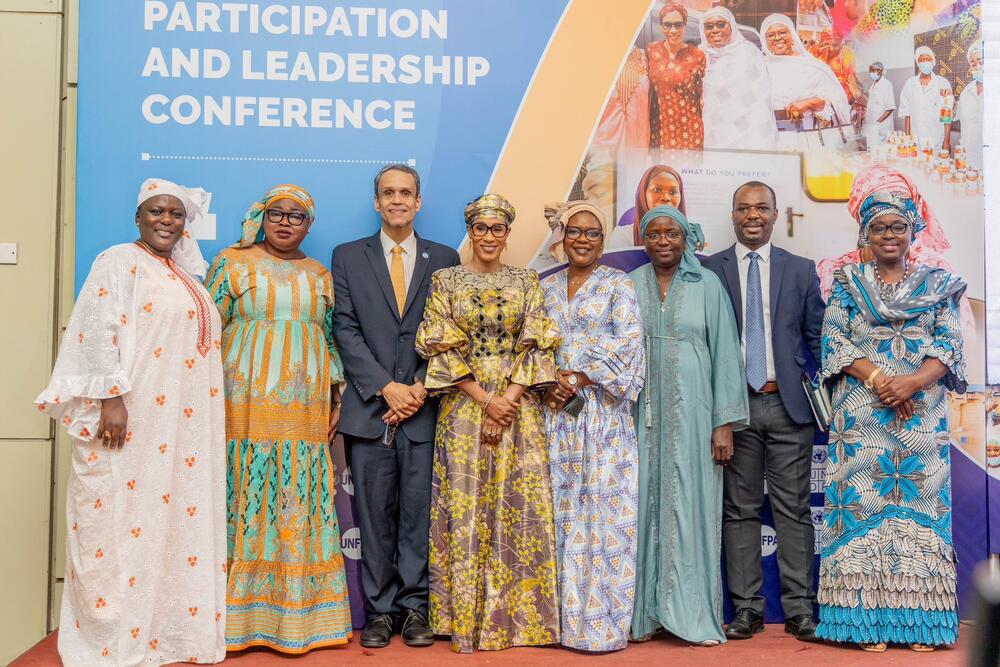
(819, 456)
(768, 541)
(350, 544)
(347, 482)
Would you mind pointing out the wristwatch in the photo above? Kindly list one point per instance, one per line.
(571, 380)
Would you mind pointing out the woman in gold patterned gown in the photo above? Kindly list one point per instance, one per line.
(490, 346)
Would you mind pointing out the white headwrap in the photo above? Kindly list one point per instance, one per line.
(735, 41)
(975, 49)
(803, 76)
(186, 254)
(924, 51)
(798, 48)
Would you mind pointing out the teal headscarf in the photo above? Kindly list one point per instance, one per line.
(694, 238)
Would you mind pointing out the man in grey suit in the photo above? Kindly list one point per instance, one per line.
(380, 284)
(779, 310)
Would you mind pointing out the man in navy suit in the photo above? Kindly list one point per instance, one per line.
(380, 285)
(779, 310)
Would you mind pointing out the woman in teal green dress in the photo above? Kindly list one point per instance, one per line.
(695, 396)
(286, 588)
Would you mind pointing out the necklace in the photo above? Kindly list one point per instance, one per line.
(888, 290)
(576, 282)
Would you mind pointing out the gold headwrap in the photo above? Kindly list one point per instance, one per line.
(489, 206)
(558, 214)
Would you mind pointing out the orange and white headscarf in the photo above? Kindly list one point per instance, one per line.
(253, 219)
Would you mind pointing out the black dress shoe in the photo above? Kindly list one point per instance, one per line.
(803, 627)
(377, 632)
(416, 630)
(746, 624)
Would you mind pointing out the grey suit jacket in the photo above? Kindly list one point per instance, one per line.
(375, 341)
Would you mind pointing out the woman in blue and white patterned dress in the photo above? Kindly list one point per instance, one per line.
(594, 454)
(892, 347)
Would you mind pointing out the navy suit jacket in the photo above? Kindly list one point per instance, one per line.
(797, 310)
(376, 344)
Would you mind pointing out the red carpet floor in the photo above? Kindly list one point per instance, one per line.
(771, 648)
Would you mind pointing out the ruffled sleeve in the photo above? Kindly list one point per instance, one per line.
(618, 362)
(535, 364)
(336, 365)
(220, 287)
(948, 343)
(95, 355)
(839, 350)
(441, 341)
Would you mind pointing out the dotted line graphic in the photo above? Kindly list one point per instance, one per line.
(240, 158)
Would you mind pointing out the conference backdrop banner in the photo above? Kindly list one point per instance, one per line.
(542, 100)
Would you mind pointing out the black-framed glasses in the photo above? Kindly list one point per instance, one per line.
(718, 25)
(295, 218)
(897, 228)
(478, 230)
(591, 234)
(672, 25)
(672, 235)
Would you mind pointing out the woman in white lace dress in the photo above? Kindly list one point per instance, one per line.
(138, 385)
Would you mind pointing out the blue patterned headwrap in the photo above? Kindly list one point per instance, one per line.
(879, 203)
(694, 238)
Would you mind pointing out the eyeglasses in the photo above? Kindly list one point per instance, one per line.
(591, 234)
(499, 230)
(897, 228)
(718, 25)
(672, 25)
(295, 218)
(672, 235)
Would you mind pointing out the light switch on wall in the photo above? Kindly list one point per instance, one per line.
(8, 253)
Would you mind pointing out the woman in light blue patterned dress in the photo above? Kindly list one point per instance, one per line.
(593, 455)
(892, 346)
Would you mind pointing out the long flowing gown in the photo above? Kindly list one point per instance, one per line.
(594, 458)
(287, 588)
(695, 383)
(492, 542)
(145, 545)
(737, 97)
(887, 572)
(676, 93)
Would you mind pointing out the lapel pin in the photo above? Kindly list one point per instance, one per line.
(425, 255)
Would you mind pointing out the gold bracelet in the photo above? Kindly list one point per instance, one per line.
(870, 382)
(486, 403)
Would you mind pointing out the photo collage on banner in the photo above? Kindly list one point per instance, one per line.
(786, 93)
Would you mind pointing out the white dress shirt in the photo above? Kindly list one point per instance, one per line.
(764, 263)
(409, 246)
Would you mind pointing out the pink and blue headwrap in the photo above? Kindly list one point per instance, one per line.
(880, 203)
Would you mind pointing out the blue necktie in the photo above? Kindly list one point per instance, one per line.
(754, 327)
